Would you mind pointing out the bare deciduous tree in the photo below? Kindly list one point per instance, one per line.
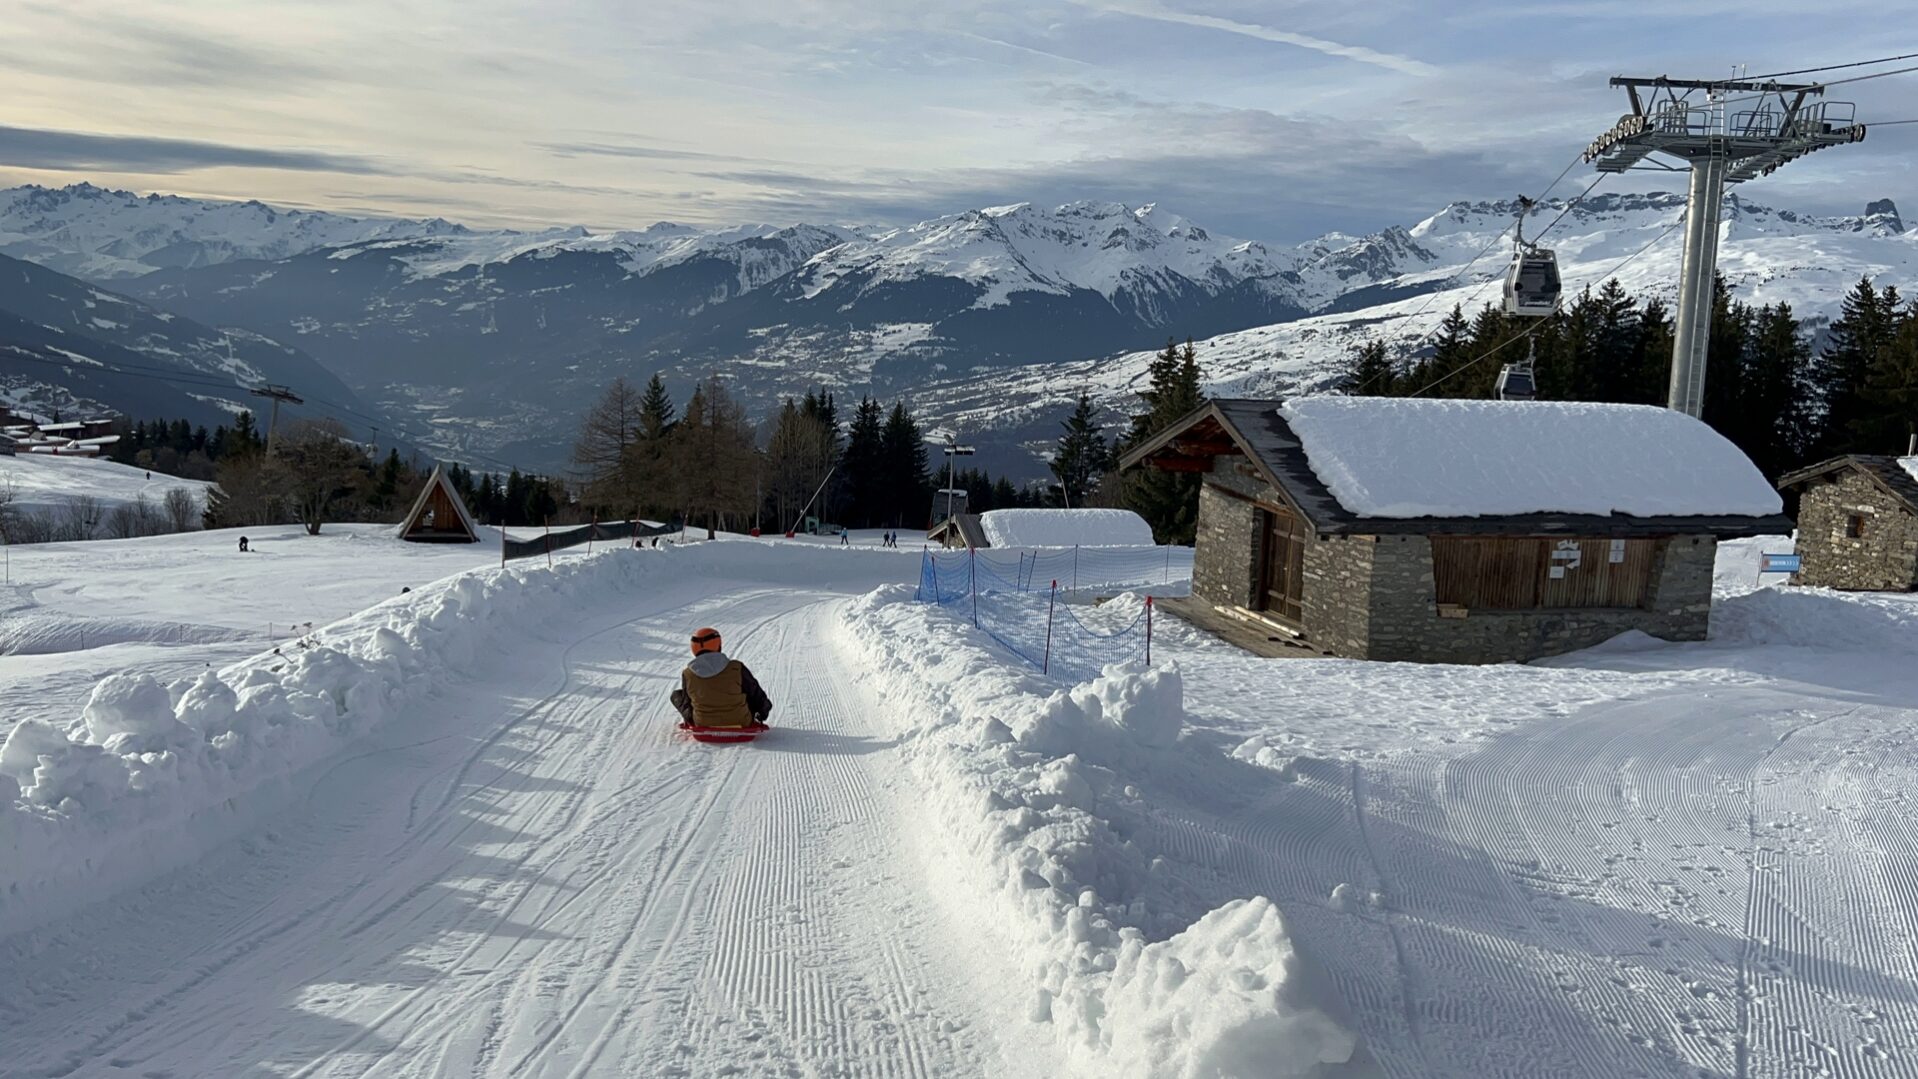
(80, 517)
(322, 469)
(182, 509)
(140, 517)
(606, 439)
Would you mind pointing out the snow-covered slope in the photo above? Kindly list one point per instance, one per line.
(1412, 279)
(41, 482)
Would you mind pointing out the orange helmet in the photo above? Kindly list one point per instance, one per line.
(705, 640)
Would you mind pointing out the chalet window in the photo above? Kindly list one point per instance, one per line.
(1855, 526)
(1524, 574)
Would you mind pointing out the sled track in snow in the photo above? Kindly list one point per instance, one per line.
(564, 889)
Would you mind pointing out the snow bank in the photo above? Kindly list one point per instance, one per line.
(1065, 528)
(149, 776)
(1039, 785)
(1910, 465)
(1409, 457)
(1873, 623)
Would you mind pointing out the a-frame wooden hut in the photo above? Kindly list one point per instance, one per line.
(439, 515)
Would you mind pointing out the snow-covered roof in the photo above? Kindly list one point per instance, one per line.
(1066, 528)
(1408, 457)
(1910, 465)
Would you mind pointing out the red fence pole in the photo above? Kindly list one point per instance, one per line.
(1148, 631)
(1046, 667)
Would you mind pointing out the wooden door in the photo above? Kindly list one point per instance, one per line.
(1281, 564)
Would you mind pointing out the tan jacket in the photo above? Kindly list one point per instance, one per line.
(715, 691)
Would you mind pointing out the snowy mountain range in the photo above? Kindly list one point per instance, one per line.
(71, 348)
(492, 342)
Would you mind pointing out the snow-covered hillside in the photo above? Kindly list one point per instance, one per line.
(1767, 255)
(41, 482)
(989, 319)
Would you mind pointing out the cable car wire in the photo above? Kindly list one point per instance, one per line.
(1829, 67)
(1542, 323)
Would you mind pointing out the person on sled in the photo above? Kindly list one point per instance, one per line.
(716, 690)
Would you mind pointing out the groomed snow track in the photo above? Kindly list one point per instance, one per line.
(543, 880)
(1705, 884)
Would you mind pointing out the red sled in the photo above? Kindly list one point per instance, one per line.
(723, 735)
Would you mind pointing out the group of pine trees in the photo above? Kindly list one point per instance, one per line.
(515, 500)
(1767, 389)
(710, 466)
(177, 448)
(1085, 465)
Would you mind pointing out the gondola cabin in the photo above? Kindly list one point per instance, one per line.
(1532, 286)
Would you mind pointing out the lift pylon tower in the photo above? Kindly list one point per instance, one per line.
(1726, 140)
(276, 394)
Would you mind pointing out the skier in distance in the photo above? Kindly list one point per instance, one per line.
(716, 690)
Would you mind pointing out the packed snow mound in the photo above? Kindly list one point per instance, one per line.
(1136, 976)
(1408, 457)
(1065, 528)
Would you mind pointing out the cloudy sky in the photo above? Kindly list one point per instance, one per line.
(1276, 120)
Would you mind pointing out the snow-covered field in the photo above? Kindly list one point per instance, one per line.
(451, 833)
(42, 482)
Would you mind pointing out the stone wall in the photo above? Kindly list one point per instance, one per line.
(1405, 623)
(1373, 597)
(1336, 602)
(1223, 561)
(1885, 558)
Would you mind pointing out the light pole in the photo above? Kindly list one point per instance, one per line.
(953, 451)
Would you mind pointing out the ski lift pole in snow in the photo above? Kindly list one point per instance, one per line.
(1045, 667)
(815, 497)
(1148, 631)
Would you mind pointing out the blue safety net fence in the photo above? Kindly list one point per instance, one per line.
(1021, 600)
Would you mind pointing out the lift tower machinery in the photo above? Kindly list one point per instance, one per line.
(1733, 132)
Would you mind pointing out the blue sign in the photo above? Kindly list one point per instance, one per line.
(1778, 563)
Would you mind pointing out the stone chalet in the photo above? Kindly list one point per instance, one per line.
(1458, 531)
(1858, 523)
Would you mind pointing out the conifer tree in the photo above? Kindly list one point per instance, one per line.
(863, 463)
(1864, 326)
(903, 459)
(1169, 501)
(1082, 456)
(1369, 372)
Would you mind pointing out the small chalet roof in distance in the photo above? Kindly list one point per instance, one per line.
(1408, 465)
(970, 531)
(1897, 475)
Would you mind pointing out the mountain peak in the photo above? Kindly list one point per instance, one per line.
(1885, 212)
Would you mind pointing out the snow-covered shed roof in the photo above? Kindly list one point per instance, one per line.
(1415, 457)
(1065, 528)
(1410, 465)
(1897, 475)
